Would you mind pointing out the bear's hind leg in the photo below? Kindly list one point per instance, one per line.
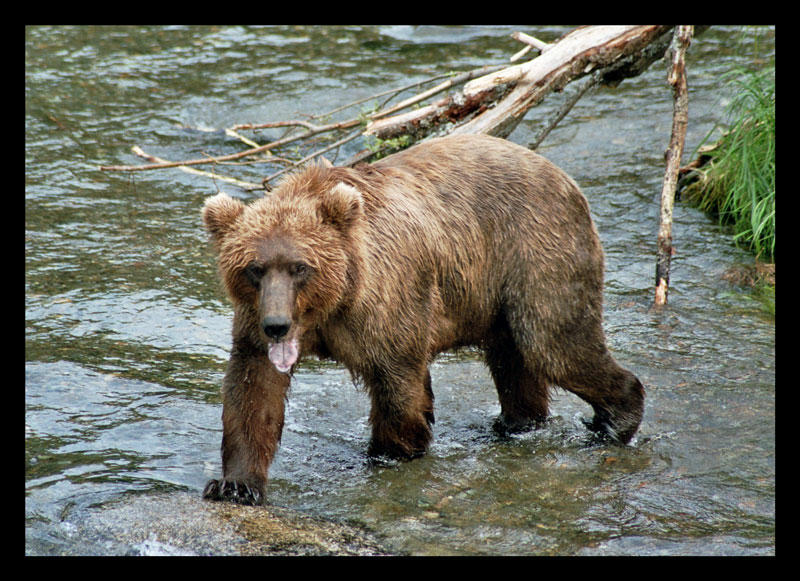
(615, 394)
(572, 353)
(524, 395)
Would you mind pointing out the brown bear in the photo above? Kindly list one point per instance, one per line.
(461, 240)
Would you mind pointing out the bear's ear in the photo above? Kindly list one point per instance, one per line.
(219, 214)
(342, 206)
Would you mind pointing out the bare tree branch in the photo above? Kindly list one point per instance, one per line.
(491, 99)
(680, 119)
(158, 161)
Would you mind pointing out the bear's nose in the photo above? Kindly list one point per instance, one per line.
(276, 327)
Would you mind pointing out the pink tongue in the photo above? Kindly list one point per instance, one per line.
(283, 355)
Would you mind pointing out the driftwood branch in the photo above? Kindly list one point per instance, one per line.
(311, 129)
(492, 99)
(680, 119)
(494, 104)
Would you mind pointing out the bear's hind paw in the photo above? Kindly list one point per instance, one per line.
(604, 430)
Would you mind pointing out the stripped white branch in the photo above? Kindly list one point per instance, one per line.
(530, 41)
(518, 55)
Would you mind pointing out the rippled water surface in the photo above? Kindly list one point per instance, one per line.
(127, 330)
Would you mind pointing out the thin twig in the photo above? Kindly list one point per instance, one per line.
(233, 156)
(242, 184)
(242, 138)
(392, 92)
(590, 82)
(273, 124)
(312, 156)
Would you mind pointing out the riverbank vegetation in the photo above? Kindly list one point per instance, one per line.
(734, 179)
(736, 175)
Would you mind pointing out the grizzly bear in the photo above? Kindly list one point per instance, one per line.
(457, 241)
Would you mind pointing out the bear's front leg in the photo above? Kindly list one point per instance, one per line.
(402, 413)
(253, 393)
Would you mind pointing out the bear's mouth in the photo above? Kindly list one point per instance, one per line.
(284, 354)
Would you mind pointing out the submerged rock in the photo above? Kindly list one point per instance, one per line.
(182, 524)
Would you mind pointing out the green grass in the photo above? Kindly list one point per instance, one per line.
(738, 184)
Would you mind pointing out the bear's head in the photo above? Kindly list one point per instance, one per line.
(289, 259)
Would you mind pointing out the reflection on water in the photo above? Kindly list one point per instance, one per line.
(127, 330)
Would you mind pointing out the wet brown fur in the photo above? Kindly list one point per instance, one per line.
(467, 240)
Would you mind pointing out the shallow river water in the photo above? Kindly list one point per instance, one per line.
(127, 329)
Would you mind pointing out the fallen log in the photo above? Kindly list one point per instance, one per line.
(495, 103)
(493, 100)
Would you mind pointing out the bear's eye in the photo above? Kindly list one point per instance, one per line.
(300, 270)
(253, 273)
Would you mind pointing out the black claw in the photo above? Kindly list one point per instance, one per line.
(211, 491)
(233, 491)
